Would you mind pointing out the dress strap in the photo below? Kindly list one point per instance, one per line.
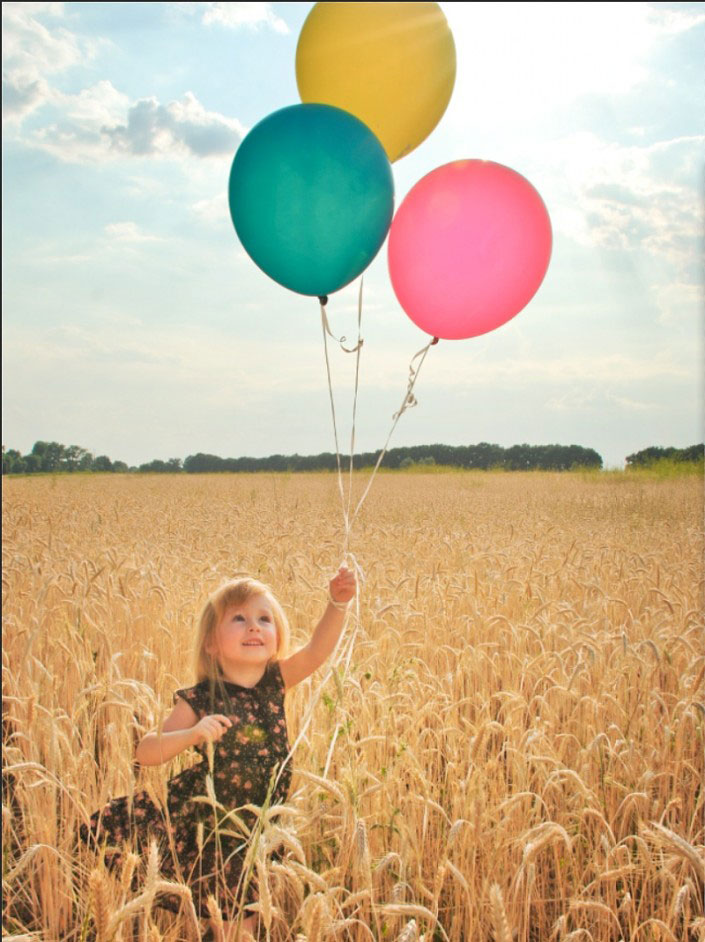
(195, 697)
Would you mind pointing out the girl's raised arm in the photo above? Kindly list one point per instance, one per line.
(326, 633)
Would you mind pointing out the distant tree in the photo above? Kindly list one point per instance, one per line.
(162, 467)
(102, 463)
(12, 461)
(694, 453)
(51, 455)
(584, 457)
(648, 456)
(32, 464)
(517, 458)
(120, 467)
(86, 461)
(75, 457)
(483, 456)
(201, 463)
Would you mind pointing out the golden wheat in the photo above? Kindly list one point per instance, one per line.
(513, 743)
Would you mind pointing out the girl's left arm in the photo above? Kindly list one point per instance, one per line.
(326, 633)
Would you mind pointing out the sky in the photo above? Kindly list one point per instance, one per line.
(135, 324)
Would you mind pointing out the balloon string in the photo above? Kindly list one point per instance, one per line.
(408, 402)
(326, 333)
(354, 413)
(323, 300)
(346, 643)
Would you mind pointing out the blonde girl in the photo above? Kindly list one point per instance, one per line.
(235, 711)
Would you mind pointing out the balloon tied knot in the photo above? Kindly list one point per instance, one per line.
(323, 299)
(434, 342)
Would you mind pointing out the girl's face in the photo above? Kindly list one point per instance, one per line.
(246, 633)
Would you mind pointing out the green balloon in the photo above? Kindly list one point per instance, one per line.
(311, 197)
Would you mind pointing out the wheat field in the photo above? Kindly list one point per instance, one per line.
(509, 747)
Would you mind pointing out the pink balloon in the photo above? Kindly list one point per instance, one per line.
(468, 248)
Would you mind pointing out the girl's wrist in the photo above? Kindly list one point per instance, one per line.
(340, 606)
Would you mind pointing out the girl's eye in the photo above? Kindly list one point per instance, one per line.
(265, 618)
(238, 618)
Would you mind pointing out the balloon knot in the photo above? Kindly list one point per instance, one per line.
(323, 298)
(434, 341)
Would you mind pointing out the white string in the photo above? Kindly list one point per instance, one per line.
(326, 326)
(407, 403)
(358, 348)
(345, 646)
(326, 333)
(347, 556)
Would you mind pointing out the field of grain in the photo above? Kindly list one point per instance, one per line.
(510, 749)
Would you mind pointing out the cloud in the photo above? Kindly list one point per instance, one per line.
(639, 198)
(559, 52)
(236, 15)
(462, 366)
(598, 401)
(31, 53)
(213, 210)
(129, 232)
(680, 304)
(647, 209)
(118, 238)
(100, 125)
(199, 359)
(182, 126)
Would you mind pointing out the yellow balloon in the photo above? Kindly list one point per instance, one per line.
(392, 65)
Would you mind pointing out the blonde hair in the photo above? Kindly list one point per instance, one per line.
(234, 592)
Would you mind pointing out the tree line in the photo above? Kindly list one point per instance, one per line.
(483, 456)
(649, 456)
(52, 457)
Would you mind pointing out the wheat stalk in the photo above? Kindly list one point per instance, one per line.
(102, 910)
(502, 932)
(679, 846)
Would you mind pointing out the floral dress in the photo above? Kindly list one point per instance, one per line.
(197, 842)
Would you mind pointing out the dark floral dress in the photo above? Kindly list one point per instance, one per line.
(197, 843)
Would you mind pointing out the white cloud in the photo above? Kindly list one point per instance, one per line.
(236, 15)
(99, 124)
(31, 53)
(477, 365)
(129, 232)
(638, 198)
(531, 54)
(597, 401)
(88, 249)
(197, 358)
(213, 210)
(180, 126)
(680, 304)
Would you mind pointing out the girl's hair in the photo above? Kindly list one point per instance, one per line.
(235, 592)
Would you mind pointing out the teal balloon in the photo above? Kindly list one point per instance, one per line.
(311, 197)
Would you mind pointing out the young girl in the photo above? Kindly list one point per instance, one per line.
(236, 712)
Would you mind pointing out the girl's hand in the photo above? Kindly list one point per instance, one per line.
(211, 728)
(342, 587)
